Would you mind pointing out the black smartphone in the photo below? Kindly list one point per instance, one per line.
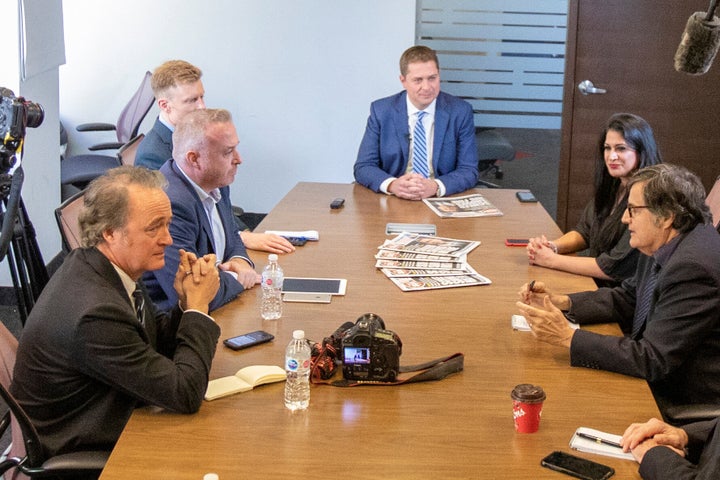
(337, 203)
(297, 241)
(576, 466)
(248, 340)
(516, 242)
(526, 197)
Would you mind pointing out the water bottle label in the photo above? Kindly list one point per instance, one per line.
(268, 281)
(292, 364)
(306, 364)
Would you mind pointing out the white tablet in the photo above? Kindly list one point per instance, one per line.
(332, 286)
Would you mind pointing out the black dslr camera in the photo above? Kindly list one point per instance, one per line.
(16, 114)
(369, 352)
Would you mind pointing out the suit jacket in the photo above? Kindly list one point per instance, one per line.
(84, 362)
(702, 462)
(384, 150)
(678, 353)
(190, 230)
(156, 148)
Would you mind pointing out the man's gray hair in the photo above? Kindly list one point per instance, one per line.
(106, 200)
(673, 190)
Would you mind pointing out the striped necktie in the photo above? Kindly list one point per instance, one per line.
(644, 300)
(139, 304)
(420, 157)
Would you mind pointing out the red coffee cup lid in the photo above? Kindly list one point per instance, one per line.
(528, 393)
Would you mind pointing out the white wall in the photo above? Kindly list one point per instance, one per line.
(297, 75)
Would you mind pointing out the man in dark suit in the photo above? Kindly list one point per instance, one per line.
(388, 160)
(669, 311)
(671, 453)
(178, 89)
(205, 162)
(94, 347)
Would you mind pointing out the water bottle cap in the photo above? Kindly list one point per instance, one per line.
(273, 257)
(298, 334)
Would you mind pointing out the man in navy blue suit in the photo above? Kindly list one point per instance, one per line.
(385, 161)
(204, 163)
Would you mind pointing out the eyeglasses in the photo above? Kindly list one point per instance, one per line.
(630, 209)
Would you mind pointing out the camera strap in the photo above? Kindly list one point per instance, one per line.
(433, 370)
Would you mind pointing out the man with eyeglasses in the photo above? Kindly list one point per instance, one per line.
(669, 311)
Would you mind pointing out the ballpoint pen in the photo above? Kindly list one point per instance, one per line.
(531, 286)
(599, 440)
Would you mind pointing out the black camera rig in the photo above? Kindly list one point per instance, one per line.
(27, 268)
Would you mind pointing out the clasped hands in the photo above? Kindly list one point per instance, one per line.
(540, 251)
(641, 437)
(196, 281)
(413, 186)
(543, 311)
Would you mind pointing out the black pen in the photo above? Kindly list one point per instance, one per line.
(599, 440)
(531, 286)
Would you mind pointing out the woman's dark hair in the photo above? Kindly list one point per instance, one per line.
(637, 135)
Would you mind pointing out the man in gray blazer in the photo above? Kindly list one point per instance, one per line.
(669, 311)
(94, 347)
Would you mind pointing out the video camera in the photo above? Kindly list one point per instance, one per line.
(16, 115)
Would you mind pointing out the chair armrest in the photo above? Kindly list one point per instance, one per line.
(94, 127)
(684, 414)
(106, 146)
(77, 461)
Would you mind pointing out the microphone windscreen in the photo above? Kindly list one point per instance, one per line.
(699, 44)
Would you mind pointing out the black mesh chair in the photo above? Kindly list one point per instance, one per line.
(492, 147)
(26, 454)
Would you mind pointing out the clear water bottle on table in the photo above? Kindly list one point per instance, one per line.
(272, 281)
(297, 367)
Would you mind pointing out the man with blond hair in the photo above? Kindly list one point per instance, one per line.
(179, 91)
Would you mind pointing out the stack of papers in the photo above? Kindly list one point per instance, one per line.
(520, 323)
(425, 262)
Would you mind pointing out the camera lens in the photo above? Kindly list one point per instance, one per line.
(34, 114)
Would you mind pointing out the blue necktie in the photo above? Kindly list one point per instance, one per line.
(419, 160)
(644, 300)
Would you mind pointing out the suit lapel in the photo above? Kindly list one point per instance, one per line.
(198, 206)
(442, 119)
(401, 122)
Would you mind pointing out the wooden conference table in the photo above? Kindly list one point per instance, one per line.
(459, 427)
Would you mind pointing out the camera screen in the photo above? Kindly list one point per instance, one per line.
(353, 355)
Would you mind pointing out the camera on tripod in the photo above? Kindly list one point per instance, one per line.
(16, 115)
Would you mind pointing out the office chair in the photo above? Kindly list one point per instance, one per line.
(26, 454)
(127, 152)
(492, 148)
(77, 171)
(130, 118)
(66, 216)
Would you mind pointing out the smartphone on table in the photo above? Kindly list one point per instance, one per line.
(248, 340)
(577, 467)
(516, 242)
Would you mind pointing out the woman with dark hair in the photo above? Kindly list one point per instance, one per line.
(626, 144)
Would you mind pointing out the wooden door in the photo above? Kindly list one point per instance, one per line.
(627, 48)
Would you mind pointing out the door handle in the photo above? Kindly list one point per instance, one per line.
(586, 87)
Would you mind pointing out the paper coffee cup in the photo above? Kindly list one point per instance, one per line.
(527, 407)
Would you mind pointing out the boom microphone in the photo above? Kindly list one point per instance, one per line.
(699, 43)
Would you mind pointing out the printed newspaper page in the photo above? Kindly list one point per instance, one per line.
(429, 245)
(474, 205)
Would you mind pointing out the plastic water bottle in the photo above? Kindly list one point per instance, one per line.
(272, 281)
(297, 367)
